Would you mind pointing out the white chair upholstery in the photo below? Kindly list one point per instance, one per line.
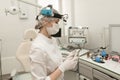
(30, 34)
(22, 54)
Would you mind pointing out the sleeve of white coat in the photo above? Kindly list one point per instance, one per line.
(38, 65)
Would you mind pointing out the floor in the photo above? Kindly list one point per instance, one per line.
(6, 77)
(19, 76)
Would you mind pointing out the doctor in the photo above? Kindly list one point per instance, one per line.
(46, 59)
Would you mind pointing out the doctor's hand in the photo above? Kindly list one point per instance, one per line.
(69, 64)
(72, 54)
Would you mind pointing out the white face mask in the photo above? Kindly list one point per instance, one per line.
(53, 30)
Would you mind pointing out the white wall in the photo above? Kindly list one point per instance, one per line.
(67, 9)
(96, 14)
(11, 32)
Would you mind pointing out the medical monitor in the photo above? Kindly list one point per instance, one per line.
(76, 35)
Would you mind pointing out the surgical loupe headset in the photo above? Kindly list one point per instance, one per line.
(48, 12)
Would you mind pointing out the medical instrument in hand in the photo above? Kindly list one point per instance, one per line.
(77, 52)
(81, 52)
(69, 64)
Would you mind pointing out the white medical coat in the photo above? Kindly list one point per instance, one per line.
(45, 57)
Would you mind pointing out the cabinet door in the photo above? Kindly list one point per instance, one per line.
(101, 76)
(70, 75)
(85, 71)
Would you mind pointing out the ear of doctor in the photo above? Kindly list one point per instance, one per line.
(70, 62)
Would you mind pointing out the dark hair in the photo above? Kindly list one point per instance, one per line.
(37, 26)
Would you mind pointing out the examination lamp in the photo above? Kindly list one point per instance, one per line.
(45, 11)
(15, 9)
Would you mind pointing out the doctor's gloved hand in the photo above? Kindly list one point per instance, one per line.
(72, 54)
(69, 64)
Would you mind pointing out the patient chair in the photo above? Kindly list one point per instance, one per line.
(22, 55)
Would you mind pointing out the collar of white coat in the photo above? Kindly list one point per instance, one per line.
(46, 38)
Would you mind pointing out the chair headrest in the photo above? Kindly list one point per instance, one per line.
(30, 34)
